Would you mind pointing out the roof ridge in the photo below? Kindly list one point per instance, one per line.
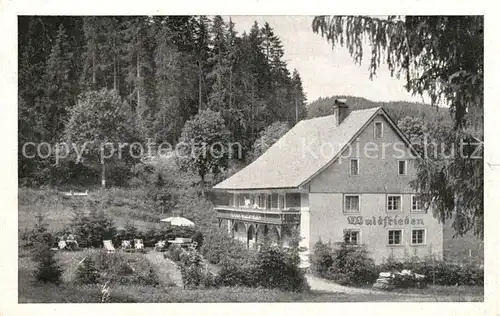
(355, 111)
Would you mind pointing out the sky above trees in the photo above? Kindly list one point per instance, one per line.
(325, 72)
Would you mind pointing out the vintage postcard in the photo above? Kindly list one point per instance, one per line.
(250, 159)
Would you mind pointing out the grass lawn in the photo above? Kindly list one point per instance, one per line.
(58, 211)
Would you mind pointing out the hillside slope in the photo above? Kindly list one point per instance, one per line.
(396, 109)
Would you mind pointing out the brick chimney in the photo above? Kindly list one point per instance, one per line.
(340, 110)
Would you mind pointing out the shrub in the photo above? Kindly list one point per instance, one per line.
(174, 253)
(92, 228)
(232, 274)
(191, 268)
(210, 279)
(151, 236)
(39, 234)
(322, 258)
(198, 238)
(439, 272)
(130, 231)
(87, 273)
(277, 267)
(352, 266)
(47, 270)
(391, 265)
(124, 268)
(219, 247)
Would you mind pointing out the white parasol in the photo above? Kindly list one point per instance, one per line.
(178, 221)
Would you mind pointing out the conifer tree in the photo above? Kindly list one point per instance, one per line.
(86, 273)
(58, 93)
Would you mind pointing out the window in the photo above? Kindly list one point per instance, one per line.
(418, 236)
(378, 129)
(260, 200)
(354, 168)
(241, 199)
(274, 201)
(351, 237)
(395, 237)
(281, 201)
(416, 204)
(293, 200)
(402, 167)
(394, 203)
(351, 203)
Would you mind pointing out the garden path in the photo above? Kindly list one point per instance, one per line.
(319, 284)
(167, 270)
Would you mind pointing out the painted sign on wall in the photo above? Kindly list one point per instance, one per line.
(384, 221)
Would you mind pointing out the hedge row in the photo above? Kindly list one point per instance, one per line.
(351, 265)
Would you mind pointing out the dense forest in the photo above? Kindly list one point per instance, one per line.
(165, 70)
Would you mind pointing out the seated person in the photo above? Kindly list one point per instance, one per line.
(126, 244)
(138, 244)
(71, 242)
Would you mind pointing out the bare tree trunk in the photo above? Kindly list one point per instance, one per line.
(202, 176)
(251, 111)
(199, 90)
(103, 175)
(230, 87)
(94, 79)
(114, 66)
(118, 76)
(138, 81)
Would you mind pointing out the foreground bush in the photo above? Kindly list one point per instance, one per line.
(174, 253)
(345, 264)
(87, 273)
(273, 267)
(194, 273)
(233, 274)
(219, 247)
(39, 234)
(278, 268)
(124, 268)
(322, 258)
(47, 270)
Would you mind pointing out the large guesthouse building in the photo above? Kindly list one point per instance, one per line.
(343, 177)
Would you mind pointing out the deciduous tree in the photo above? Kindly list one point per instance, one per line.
(204, 144)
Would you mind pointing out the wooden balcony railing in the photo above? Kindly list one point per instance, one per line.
(266, 216)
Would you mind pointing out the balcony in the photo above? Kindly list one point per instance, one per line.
(265, 216)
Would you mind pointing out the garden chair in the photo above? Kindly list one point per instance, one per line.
(160, 245)
(108, 245)
(138, 244)
(61, 244)
(126, 245)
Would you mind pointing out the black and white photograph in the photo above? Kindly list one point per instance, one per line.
(250, 158)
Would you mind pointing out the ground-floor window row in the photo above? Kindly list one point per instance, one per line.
(253, 233)
(394, 236)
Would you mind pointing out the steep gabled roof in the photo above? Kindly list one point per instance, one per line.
(309, 147)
